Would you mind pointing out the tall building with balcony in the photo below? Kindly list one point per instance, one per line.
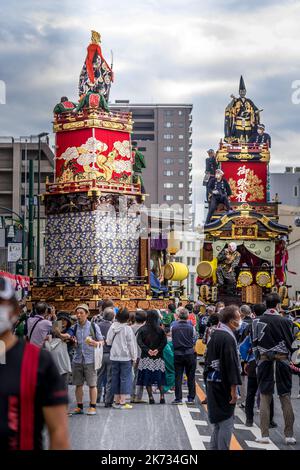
(15, 154)
(163, 133)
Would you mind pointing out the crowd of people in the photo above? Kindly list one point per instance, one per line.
(249, 350)
(127, 358)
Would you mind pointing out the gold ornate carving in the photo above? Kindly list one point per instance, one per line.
(113, 292)
(244, 221)
(47, 293)
(78, 292)
(143, 304)
(135, 292)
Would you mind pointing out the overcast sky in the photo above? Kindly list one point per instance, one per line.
(191, 51)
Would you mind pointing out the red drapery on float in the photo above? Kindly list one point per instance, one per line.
(18, 281)
(248, 180)
(105, 151)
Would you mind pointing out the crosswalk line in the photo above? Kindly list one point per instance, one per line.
(258, 445)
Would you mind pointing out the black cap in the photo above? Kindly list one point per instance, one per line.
(7, 291)
(64, 316)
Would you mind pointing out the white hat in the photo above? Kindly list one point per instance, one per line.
(220, 171)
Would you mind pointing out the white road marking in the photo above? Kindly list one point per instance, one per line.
(196, 441)
(255, 430)
(258, 445)
(200, 422)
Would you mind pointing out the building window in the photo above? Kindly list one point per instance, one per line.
(168, 148)
(180, 113)
(168, 197)
(181, 149)
(180, 198)
(168, 112)
(180, 185)
(169, 161)
(169, 124)
(296, 191)
(178, 259)
(168, 173)
(181, 160)
(181, 136)
(168, 185)
(181, 245)
(142, 149)
(168, 136)
(193, 261)
(135, 137)
(181, 173)
(180, 124)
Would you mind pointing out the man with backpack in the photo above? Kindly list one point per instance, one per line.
(39, 326)
(88, 336)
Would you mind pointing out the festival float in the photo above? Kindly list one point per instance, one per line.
(96, 245)
(244, 255)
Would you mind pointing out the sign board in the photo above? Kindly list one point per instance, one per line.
(14, 252)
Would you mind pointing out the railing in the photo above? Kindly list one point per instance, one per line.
(90, 185)
(88, 280)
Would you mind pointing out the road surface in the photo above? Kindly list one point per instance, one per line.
(169, 427)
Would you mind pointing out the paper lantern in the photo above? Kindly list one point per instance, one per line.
(263, 279)
(173, 243)
(245, 278)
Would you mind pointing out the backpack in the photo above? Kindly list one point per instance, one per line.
(92, 330)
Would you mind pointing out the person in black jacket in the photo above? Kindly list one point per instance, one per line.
(250, 370)
(184, 338)
(272, 345)
(218, 193)
(222, 377)
(151, 369)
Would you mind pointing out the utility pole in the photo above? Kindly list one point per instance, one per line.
(30, 218)
(38, 257)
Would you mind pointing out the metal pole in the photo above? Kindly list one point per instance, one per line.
(22, 221)
(30, 218)
(38, 213)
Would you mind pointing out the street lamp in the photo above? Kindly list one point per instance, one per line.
(38, 257)
(11, 232)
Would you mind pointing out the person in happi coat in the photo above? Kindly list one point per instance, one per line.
(222, 377)
(219, 191)
(260, 136)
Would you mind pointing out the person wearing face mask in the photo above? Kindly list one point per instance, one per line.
(222, 377)
(219, 191)
(34, 395)
(260, 136)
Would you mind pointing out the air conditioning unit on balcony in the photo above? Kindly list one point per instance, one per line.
(289, 169)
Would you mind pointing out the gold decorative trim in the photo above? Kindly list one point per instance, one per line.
(97, 123)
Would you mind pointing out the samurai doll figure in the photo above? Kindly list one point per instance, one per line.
(138, 165)
(228, 260)
(241, 117)
(96, 75)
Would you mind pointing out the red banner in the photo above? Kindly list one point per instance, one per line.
(88, 153)
(248, 180)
